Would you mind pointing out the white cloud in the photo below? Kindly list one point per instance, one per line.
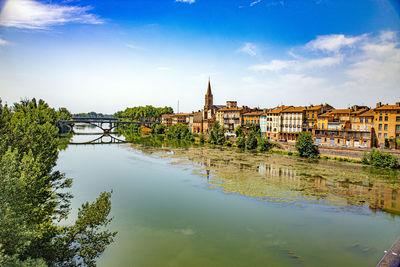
(333, 42)
(255, 2)
(367, 72)
(3, 42)
(378, 64)
(273, 65)
(30, 14)
(249, 49)
(186, 1)
(322, 62)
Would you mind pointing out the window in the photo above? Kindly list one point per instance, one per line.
(379, 135)
(366, 120)
(397, 118)
(313, 116)
(386, 118)
(380, 118)
(355, 119)
(380, 112)
(380, 127)
(385, 135)
(386, 112)
(361, 120)
(397, 128)
(386, 127)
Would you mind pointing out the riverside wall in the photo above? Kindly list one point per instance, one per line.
(345, 152)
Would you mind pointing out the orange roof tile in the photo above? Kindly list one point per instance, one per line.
(254, 113)
(369, 113)
(294, 109)
(278, 110)
(388, 107)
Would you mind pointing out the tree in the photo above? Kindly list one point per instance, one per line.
(251, 141)
(217, 134)
(239, 130)
(201, 139)
(33, 197)
(264, 144)
(241, 141)
(305, 146)
(380, 159)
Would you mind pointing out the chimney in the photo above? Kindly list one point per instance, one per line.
(379, 104)
(398, 104)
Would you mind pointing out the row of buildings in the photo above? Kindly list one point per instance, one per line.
(356, 126)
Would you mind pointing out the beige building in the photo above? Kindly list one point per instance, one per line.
(387, 122)
(292, 123)
(230, 117)
(273, 122)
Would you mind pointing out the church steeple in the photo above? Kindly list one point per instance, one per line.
(209, 97)
(209, 88)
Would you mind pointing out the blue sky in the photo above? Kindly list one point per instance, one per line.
(107, 55)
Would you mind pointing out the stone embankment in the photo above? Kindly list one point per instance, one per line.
(345, 152)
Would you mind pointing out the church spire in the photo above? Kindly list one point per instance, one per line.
(209, 87)
(209, 97)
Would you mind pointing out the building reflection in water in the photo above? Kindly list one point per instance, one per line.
(234, 177)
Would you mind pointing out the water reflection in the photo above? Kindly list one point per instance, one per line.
(284, 179)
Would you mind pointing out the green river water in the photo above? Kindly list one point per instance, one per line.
(203, 206)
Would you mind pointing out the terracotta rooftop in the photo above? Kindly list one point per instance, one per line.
(294, 109)
(388, 107)
(231, 109)
(369, 113)
(316, 107)
(254, 113)
(278, 110)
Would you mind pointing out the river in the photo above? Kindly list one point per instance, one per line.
(202, 206)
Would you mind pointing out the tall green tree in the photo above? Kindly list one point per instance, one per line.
(33, 196)
(305, 146)
(217, 134)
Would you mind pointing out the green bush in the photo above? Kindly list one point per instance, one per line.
(228, 143)
(380, 159)
(179, 132)
(251, 141)
(202, 139)
(305, 146)
(217, 135)
(241, 141)
(264, 144)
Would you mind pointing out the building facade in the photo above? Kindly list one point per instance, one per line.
(272, 121)
(387, 122)
(292, 123)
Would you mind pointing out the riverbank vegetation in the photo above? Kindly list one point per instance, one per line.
(380, 159)
(305, 146)
(147, 113)
(249, 139)
(34, 197)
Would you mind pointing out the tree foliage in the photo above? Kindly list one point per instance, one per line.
(147, 113)
(179, 132)
(217, 134)
(380, 159)
(251, 140)
(33, 197)
(241, 141)
(158, 129)
(305, 146)
(264, 144)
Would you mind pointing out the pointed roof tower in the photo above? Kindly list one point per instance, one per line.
(209, 97)
(209, 88)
